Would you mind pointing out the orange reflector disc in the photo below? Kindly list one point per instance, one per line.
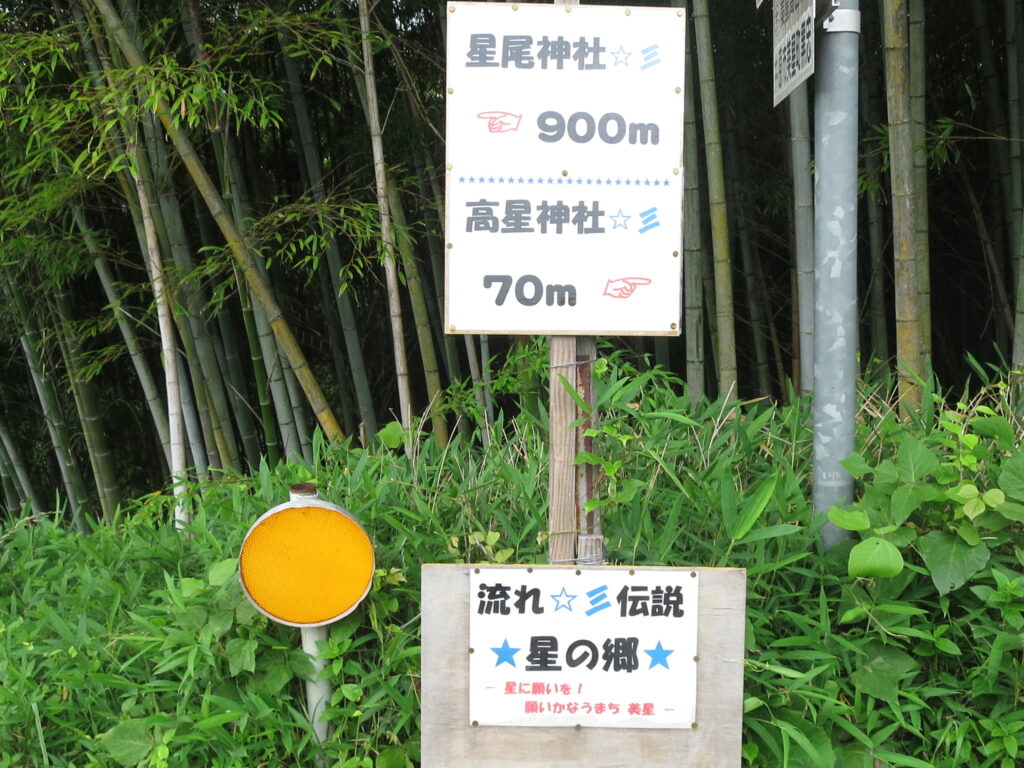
(306, 565)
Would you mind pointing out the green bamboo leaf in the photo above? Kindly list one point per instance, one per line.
(771, 532)
(221, 718)
(580, 402)
(754, 507)
(901, 761)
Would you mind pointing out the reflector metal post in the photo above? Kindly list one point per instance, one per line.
(318, 691)
(835, 260)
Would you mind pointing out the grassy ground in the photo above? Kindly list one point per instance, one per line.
(902, 647)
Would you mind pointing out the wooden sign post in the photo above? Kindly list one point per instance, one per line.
(580, 676)
(563, 218)
(564, 188)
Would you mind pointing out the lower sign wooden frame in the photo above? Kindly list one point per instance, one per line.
(450, 741)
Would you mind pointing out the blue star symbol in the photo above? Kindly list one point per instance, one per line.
(563, 600)
(619, 220)
(621, 56)
(506, 655)
(659, 656)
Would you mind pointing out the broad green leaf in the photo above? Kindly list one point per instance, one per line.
(849, 519)
(219, 623)
(222, 571)
(351, 691)
(914, 461)
(950, 560)
(875, 557)
(993, 497)
(886, 474)
(882, 671)
(964, 493)
(129, 742)
(191, 587)
(997, 427)
(275, 676)
(900, 536)
(241, 655)
(968, 533)
(1011, 478)
(905, 501)
(392, 435)
(1012, 511)
(392, 757)
(856, 465)
(974, 507)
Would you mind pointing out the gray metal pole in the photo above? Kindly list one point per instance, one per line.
(835, 258)
(318, 691)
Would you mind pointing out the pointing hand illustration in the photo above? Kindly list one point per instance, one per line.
(623, 287)
(501, 122)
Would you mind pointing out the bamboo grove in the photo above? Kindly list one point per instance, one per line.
(221, 229)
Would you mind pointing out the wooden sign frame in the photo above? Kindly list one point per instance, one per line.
(450, 741)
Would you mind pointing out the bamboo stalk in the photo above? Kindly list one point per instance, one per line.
(246, 263)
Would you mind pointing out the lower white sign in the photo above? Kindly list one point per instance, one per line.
(589, 647)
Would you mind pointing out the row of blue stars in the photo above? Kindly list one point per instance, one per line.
(564, 180)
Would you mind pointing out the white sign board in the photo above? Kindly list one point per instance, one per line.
(564, 166)
(597, 647)
(792, 44)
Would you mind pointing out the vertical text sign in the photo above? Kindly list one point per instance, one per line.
(564, 169)
(608, 648)
(792, 44)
